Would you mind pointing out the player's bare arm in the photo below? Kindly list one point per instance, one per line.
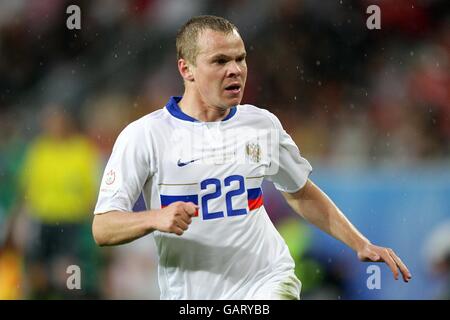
(317, 208)
(119, 227)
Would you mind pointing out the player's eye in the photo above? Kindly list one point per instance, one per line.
(220, 61)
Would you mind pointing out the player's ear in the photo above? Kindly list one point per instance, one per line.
(185, 70)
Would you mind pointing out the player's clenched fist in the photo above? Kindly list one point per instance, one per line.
(176, 217)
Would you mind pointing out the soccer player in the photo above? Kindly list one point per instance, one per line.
(200, 162)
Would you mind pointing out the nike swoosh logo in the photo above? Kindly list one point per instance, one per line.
(182, 164)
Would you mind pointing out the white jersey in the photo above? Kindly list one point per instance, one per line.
(231, 249)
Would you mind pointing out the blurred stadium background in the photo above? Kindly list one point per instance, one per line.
(369, 109)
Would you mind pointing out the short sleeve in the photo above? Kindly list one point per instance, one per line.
(127, 170)
(288, 170)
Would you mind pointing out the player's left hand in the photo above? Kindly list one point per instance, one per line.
(372, 253)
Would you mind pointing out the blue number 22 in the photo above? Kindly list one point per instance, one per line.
(232, 193)
(217, 193)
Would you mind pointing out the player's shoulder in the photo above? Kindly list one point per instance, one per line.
(258, 114)
(146, 122)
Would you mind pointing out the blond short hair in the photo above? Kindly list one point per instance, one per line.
(187, 36)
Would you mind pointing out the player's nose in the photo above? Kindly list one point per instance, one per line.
(234, 69)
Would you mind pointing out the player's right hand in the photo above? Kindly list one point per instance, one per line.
(176, 217)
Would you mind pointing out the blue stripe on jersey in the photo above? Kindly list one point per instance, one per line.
(230, 114)
(254, 193)
(174, 109)
(166, 200)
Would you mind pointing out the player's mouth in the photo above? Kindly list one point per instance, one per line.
(233, 88)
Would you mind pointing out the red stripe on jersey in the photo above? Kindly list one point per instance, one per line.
(255, 203)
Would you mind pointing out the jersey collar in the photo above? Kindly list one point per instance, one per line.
(174, 109)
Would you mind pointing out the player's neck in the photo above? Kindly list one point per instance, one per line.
(197, 109)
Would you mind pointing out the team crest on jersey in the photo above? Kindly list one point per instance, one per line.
(253, 151)
(110, 177)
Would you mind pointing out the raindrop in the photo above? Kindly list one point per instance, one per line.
(318, 62)
(411, 53)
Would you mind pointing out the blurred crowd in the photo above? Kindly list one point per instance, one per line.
(349, 96)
